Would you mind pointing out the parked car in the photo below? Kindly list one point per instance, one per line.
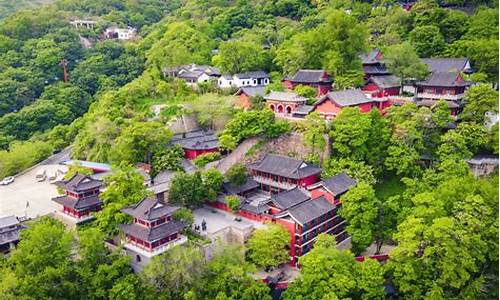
(7, 180)
(53, 177)
(41, 175)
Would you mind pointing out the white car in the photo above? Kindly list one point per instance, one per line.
(7, 180)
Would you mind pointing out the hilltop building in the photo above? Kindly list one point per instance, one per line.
(318, 79)
(153, 230)
(80, 199)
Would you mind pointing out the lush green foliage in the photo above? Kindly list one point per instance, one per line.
(237, 174)
(268, 247)
(201, 160)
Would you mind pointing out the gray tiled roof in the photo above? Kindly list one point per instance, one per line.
(191, 74)
(375, 70)
(370, 57)
(288, 199)
(484, 159)
(79, 183)
(386, 81)
(196, 140)
(255, 209)
(310, 76)
(446, 64)
(150, 209)
(250, 184)
(431, 103)
(285, 166)
(152, 234)
(303, 109)
(164, 176)
(253, 74)
(346, 98)
(310, 210)
(78, 204)
(285, 96)
(339, 184)
(252, 91)
(8, 221)
(444, 79)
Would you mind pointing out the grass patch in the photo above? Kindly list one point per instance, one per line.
(389, 186)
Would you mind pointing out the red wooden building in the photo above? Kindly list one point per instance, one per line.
(318, 79)
(373, 65)
(81, 197)
(305, 213)
(382, 86)
(153, 230)
(197, 142)
(245, 93)
(331, 104)
(276, 173)
(283, 104)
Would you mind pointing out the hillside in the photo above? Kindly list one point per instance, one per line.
(8, 7)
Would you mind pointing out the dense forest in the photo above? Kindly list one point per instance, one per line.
(443, 221)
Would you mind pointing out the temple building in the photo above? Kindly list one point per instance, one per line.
(277, 173)
(245, 93)
(283, 104)
(80, 199)
(318, 79)
(373, 64)
(304, 212)
(197, 142)
(331, 104)
(10, 231)
(153, 230)
(382, 86)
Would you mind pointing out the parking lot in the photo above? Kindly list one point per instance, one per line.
(28, 197)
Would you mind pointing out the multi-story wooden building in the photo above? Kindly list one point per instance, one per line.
(373, 64)
(10, 231)
(305, 208)
(277, 173)
(80, 199)
(153, 230)
(318, 79)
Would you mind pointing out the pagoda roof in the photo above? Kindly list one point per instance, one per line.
(310, 76)
(385, 81)
(444, 79)
(150, 209)
(78, 203)
(288, 199)
(431, 103)
(285, 96)
(249, 185)
(372, 57)
(447, 64)
(337, 184)
(310, 210)
(251, 91)
(196, 140)
(343, 98)
(79, 183)
(285, 166)
(152, 234)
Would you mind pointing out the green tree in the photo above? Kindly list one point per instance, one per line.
(427, 40)
(169, 158)
(479, 100)
(314, 135)
(360, 207)
(233, 202)
(356, 169)
(212, 180)
(403, 61)
(124, 187)
(187, 189)
(139, 142)
(237, 174)
(329, 273)
(184, 215)
(268, 247)
(175, 272)
(236, 56)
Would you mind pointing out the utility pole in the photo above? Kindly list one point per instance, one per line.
(64, 64)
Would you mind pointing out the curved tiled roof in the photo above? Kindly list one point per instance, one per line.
(349, 97)
(285, 166)
(288, 199)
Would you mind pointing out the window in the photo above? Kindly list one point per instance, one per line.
(138, 258)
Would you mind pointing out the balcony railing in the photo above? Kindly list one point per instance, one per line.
(268, 181)
(155, 251)
(440, 96)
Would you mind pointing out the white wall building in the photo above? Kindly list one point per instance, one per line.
(257, 78)
(120, 33)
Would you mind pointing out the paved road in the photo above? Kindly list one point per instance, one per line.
(58, 157)
(25, 188)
